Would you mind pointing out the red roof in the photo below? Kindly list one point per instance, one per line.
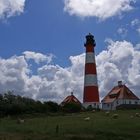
(119, 92)
(70, 99)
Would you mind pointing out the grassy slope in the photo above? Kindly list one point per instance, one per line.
(73, 127)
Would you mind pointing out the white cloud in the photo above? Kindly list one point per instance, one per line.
(52, 82)
(135, 22)
(120, 61)
(38, 57)
(101, 9)
(10, 8)
(122, 31)
(13, 73)
(59, 82)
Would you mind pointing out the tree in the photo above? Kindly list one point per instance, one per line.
(51, 106)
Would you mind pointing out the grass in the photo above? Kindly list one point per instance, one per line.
(73, 127)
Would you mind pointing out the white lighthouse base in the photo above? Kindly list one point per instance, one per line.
(95, 105)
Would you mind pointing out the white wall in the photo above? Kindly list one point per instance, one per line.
(93, 104)
(113, 105)
(108, 106)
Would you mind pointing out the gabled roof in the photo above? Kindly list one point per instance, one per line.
(70, 99)
(119, 92)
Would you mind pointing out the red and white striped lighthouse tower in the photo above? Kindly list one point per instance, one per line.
(91, 94)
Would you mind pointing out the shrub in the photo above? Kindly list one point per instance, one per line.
(71, 107)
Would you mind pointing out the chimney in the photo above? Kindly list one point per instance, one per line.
(119, 83)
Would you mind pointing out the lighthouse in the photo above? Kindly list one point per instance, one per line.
(91, 93)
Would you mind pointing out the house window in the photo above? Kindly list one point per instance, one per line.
(129, 102)
(113, 95)
(117, 102)
(136, 102)
(108, 105)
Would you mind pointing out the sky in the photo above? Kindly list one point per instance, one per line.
(42, 53)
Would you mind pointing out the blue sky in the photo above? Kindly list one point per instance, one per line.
(49, 35)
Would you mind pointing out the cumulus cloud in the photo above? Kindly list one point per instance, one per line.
(13, 73)
(101, 9)
(10, 8)
(38, 57)
(52, 82)
(60, 82)
(120, 61)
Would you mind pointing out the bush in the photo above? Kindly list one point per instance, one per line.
(71, 107)
(51, 106)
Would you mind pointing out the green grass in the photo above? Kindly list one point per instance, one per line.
(73, 127)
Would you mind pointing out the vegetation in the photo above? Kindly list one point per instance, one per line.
(11, 104)
(26, 119)
(71, 108)
(73, 127)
